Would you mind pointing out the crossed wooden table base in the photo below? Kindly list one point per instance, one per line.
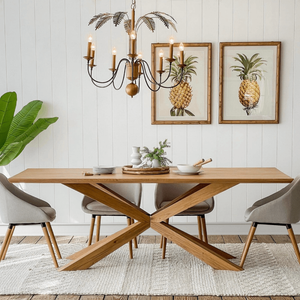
(209, 254)
(212, 182)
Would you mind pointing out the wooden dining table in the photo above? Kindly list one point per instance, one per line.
(209, 182)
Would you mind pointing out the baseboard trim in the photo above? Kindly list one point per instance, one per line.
(107, 229)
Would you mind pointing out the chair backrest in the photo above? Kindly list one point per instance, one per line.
(130, 191)
(169, 191)
(16, 205)
(289, 199)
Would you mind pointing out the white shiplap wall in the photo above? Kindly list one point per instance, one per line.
(42, 43)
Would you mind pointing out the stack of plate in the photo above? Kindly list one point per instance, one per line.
(103, 170)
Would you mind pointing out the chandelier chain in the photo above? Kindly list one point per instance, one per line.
(133, 5)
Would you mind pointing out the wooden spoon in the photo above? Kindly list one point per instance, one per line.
(205, 162)
(199, 162)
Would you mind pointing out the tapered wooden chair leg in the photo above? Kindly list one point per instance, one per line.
(248, 243)
(203, 225)
(162, 238)
(161, 242)
(53, 239)
(91, 230)
(293, 240)
(199, 228)
(49, 244)
(98, 222)
(130, 242)
(6, 240)
(164, 244)
(135, 239)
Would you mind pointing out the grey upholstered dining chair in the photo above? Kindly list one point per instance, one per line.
(166, 192)
(130, 191)
(20, 208)
(281, 208)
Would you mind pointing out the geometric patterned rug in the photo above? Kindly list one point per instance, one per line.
(270, 270)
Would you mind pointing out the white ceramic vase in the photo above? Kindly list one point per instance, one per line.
(136, 157)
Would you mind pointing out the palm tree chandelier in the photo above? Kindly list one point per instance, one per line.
(134, 67)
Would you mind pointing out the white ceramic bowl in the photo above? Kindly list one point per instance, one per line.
(103, 170)
(184, 168)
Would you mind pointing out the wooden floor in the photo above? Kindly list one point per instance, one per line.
(212, 239)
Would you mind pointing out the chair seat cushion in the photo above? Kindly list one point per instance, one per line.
(198, 209)
(97, 208)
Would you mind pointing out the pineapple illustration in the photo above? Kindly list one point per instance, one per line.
(181, 95)
(249, 91)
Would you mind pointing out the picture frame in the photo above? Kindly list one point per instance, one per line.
(195, 106)
(249, 82)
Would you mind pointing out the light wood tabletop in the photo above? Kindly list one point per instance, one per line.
(210, 182)
(207, 175)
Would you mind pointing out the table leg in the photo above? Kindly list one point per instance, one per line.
(213, 256)
(88, 256)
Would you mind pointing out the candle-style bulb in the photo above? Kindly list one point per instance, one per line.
(161, 53)
(114, 51)
(171, 41)
(140, 55)
(181, 47)
(90, 38)
(92, 51)
(133, 35)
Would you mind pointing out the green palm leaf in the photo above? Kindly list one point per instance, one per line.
(8, 103)
(10, 153)
(23, 120)
(36, 128)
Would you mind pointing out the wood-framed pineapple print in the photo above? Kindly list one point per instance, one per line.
(249, 82)
(189, 101)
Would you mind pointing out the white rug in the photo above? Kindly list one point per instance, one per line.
(270, 269)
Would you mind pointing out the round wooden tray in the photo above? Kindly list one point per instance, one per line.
(145, 171)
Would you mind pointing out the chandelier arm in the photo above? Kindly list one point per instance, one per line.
(139, 82)
(152, 79)
(160, 85)
(154, 83)
(170, 87)
(124, 72)
(168, 74)
(90, 73)
(153, 90)
(113, 76)
(99, 86)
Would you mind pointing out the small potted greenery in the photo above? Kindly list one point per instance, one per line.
(156, 158)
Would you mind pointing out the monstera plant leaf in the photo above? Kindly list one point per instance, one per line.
(22, 129)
